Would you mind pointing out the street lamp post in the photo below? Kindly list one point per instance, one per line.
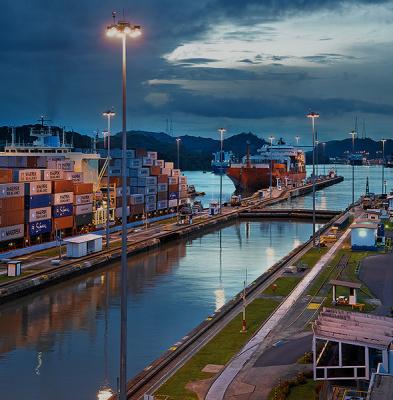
(297, 141)
(123, 30)
(271, 138)
(323, 156)
(221, 131)
(317, 155)
(313, 115)
(353, 134)
(383, 164)
(108, 114)
(178, 152)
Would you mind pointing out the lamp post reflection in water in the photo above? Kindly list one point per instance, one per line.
(220, 293)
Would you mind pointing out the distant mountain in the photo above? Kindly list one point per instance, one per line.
(196, 151)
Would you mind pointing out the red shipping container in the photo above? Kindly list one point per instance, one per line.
(83, 188)
(155, 171)
(62, 186)
(63, 222)
(162, 179)
(12, 203)
(5, 175)
(139, 153)
(11, 218)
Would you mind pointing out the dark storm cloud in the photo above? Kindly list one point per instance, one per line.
(269, 107)
(54, 58)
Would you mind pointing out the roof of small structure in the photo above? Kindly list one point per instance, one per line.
(83, 239)
(352, 285)
(355, 328)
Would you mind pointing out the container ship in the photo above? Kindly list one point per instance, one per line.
(218, 166)
(285, 163)
(48, 189)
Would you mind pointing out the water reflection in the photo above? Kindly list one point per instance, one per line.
(63, 342)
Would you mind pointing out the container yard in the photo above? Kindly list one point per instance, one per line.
(48, 191)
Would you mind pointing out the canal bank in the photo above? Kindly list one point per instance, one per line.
(52, 275)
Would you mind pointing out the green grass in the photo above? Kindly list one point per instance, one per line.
(285, 285)
(303, 392)
(312, 256)
(218, 351)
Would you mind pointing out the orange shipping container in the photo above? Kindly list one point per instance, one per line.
(12, 203)
(155, 171)
(62, 186)
(173, 188)
(162, 179)
(63, 222)
(139, 153)
(11, 218)
(83, 188)
(5, 175)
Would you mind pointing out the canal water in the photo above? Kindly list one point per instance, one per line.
(62, 343)
(336, 197)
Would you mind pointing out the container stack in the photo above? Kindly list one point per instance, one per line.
(154, 185)
(11, 210)
(84, 197)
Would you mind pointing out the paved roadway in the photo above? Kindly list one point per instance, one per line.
(377, 274)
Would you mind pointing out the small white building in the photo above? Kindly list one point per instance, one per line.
(80, 246)
(350, 345)
(390, 202)
(364, 235)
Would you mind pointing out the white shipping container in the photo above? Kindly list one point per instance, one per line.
(64, 165)
(12, 190)
(173, 180)
(162, 204)
(151, 190)
(183, 195)
(147, 162)
(159, 163)
(134, 163)
(53, 174)
(149, 207)
(183, 180)
(12, 232)
(147, 181)
(166, 171)
(150, 198)
(152, 155)
(84, 209)
(34, 188)
(119, 191)
(172, 203)
(176, 172)
(76, 177)
(182, 201)
(39, 214)
(83, 199)
(137, 199)
(162, 187)
(63, 198)
(183, 187)
(169, 164)
(119, 212)
(28, 175)
(143, 172)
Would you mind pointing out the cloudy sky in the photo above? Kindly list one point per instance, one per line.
(249, 65)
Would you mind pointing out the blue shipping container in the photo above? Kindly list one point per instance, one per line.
(173, 195)
(38, 201)
(39, 227)
(63, 210)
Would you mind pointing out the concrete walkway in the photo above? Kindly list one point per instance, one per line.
(221, 384)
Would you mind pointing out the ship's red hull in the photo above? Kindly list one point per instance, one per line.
(251, 179)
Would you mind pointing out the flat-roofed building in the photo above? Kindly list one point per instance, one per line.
(349, 345)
